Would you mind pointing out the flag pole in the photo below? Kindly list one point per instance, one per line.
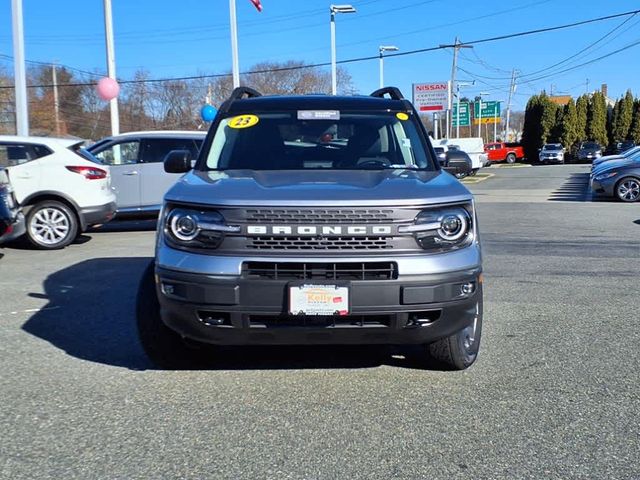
(234, 44)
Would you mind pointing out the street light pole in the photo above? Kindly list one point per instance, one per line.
(111, 65)
(382, 49)
(480, 113)
(20, 82)
(333, 9)
(235, 63)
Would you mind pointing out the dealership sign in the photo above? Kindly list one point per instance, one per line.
(431, 97)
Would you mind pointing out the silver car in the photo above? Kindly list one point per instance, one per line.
(137, 173)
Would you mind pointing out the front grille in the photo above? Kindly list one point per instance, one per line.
(321, 271)
(319, 321)
(319, 243)
(318, 215)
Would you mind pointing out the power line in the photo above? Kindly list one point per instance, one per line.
(375, 57)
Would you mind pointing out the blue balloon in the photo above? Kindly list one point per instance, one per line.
(208, 113)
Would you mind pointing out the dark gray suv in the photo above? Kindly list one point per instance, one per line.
(314, 220)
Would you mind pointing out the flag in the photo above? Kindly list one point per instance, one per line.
(257, 4)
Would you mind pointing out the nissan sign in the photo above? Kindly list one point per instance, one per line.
(431, 97)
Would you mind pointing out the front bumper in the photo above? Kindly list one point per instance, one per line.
(551, 159)
(96, 215)
(414, 308)
(603, 187)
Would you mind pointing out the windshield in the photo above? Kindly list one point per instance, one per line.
(552, 146)
(590, 145)
(302, 140)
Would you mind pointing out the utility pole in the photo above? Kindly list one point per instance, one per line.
(56, 103)
(20, 82)
(512, 89)
(457, 45)
(111, 65)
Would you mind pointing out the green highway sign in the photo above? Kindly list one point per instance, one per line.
(489, 109)
(465, 119)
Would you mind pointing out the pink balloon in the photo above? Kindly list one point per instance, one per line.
(108, 88)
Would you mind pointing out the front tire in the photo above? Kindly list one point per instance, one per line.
(460, 350)
(164, 347)
(511, 158)
(628, 189)
(51, 225)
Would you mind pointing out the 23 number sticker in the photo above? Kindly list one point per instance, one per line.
(243, 121)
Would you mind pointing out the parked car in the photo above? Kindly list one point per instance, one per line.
(11, 216)
(504, 152)
(61, 188)
(618, 178)
(633, 152)
(458, 163)
(137, 174)
(589, 151)
(617, 148)
(551, 153)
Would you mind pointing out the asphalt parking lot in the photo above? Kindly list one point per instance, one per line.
(554, 393)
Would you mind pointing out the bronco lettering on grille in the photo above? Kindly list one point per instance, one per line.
(327, 230)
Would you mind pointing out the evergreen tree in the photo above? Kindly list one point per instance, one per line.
(532, 128)
(582, 107)
(624, 118)
(569, 130)
(634, 131)
(539, 121)
(556, 131)
(548, 117)
(612, 121)
(597, 119)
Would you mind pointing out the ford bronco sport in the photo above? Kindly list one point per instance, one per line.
(313, 220)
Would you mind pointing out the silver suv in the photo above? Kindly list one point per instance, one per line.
(314, 220)
(137, 173)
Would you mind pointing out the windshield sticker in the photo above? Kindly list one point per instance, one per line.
(243, 121)
(402, 116)
(318, 115)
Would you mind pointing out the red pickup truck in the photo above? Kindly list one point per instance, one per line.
(500, 152)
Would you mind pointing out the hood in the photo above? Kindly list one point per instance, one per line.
(613, 164)
(318, 187)
(606, 158)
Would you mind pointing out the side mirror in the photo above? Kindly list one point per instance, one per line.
(458, 168)
(177, 161)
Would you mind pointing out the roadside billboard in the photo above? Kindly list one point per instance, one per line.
(431, 97)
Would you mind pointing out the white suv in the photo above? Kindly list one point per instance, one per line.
(62, 191)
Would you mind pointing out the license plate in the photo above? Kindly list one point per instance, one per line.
(318, 300)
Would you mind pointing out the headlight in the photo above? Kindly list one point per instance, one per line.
(599, 153)
(186, 227)
(442, 228)
(604, 176)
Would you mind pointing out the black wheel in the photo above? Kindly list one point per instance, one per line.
(511, 158)
(460, 175)
(460, 350)
(473, 172)
(51, 225)
(628, 189)
(164, 347)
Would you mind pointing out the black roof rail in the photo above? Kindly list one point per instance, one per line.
(393, 92)
(238, 94)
